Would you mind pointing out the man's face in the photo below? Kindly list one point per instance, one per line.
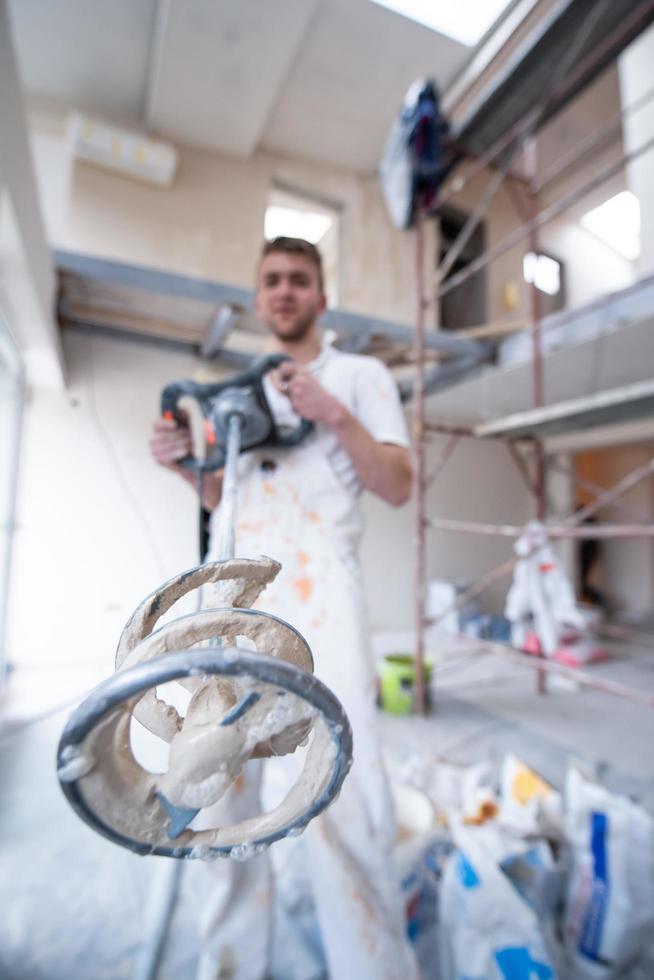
(289, 297)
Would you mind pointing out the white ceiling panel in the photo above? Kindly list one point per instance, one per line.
(348, 82)
(218, 67)
(88, 53)
(318, 79)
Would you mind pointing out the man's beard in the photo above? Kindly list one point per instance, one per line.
(298, 331)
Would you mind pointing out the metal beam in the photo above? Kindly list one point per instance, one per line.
(615, 405)
(355, 325)
(586, 679)
(553, 531)
(507, 100)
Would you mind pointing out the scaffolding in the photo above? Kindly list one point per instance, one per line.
(529, 427)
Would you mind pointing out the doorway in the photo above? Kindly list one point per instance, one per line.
(466, 304)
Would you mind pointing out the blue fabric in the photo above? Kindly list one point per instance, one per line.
(590, 941)
(466, 873)
(517, 963)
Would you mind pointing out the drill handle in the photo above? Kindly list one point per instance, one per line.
(244, 394)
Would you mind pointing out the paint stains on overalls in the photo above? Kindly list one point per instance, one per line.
(293, 507)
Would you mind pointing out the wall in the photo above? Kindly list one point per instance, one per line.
(501, 219)
(635, 71)
(627, 568)
(480, 483)
(210, 222)
(11, 405)
(100, 525)
(26, 273)
(592, 269)
(28, 335)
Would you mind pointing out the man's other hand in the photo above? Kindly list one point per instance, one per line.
(307, 396)
(170, 442)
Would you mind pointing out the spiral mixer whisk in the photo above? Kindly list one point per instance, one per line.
(245, 703)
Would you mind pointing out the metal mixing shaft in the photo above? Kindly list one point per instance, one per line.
(226, 531)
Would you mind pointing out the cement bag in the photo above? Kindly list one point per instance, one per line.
(464, 790)
(609, 918)
(421, 886)
(420, 854)
(529, 805)
(487, 929)
(539, 879)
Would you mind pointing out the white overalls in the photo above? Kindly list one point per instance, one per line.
(300, 507)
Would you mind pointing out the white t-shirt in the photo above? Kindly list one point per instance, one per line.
(367, 389)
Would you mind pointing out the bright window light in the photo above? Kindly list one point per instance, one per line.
(464, 20)
(295, 223)
(617, 224)
(543, 271)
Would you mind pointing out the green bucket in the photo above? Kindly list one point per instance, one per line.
(397, 676)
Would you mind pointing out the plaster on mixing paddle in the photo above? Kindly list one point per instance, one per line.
(244, 704)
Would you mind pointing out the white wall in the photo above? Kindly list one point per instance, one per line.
(210, 222)
(99, 525)
(501, 219)
(635, 72)
(592, 269)
(26, 274)
(627, 568)
(53, 164)
(480, 483)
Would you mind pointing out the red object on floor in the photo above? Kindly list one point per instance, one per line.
(579, 653)
(575, 650)
(532, 645)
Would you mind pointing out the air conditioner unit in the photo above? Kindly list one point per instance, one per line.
(121, 150)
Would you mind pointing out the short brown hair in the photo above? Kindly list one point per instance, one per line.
(295, 246)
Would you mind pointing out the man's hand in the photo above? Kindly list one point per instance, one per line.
(170, 443)
(307, 396)
(383, 468)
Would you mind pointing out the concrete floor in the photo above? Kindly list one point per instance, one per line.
(485, 706)
(75, 905)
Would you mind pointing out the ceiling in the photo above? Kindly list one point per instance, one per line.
(318, 79)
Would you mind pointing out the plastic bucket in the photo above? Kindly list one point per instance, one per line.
(397, 676)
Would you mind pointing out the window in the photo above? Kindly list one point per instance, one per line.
(617, 224)
(466, 21)
(543, 271)
(547, 273)
(298, 216)
(466, 304)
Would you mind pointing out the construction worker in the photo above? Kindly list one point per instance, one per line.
(301, 507)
